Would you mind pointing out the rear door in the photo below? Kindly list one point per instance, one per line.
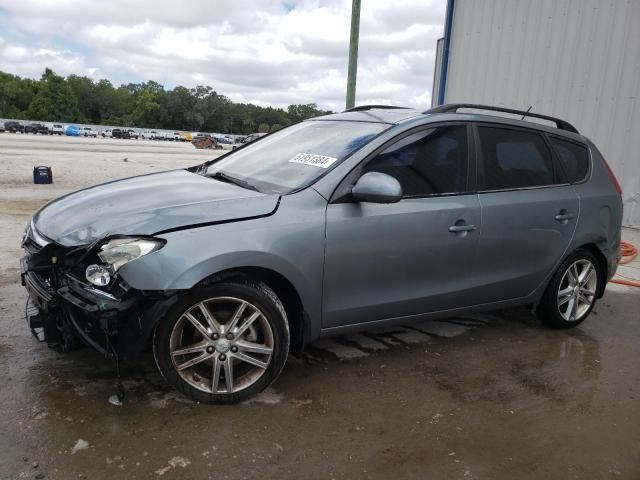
(529, 212)
(393, 260)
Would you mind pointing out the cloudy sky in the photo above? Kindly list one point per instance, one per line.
(261, 51)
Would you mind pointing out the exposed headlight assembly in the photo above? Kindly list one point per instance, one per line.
(98, 275)
(116, 253)
(120, 251)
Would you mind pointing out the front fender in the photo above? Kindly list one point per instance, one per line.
(291, 243)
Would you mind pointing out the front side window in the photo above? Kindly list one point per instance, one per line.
(574, 159)
(430, 162)
(296, 156)
(514, 159)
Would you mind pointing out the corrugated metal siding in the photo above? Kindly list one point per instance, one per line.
(436, 73)
(574, 59)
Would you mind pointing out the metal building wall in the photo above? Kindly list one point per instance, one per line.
(574, 59)
(436, 72)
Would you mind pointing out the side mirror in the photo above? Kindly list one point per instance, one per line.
(376, 187)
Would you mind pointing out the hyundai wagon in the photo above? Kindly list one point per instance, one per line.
(367, 218)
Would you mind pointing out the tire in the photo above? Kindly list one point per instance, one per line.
(565, 302)
(264, 341)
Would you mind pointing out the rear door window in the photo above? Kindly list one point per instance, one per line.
(429, 162)
(514, 159)
(574, 159)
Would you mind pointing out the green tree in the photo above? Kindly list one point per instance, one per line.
(146, 104)
(15, 95)
(298, 113)
(54, 100)
(248, 126)
(146, 109)
(83, 90)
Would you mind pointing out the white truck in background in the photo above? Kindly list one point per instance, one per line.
(56, 129)
(88, 132)
(148, 134)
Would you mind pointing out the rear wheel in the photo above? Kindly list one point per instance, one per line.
(571, 293)
(223, 343)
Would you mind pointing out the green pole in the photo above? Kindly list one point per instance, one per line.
(353, 54)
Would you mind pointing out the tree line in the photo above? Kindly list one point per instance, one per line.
(79, 99)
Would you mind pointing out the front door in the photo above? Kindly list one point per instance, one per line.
(385, 261)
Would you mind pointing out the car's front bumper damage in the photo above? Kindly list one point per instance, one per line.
(117, 321)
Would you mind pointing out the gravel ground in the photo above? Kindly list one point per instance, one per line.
(491, 396)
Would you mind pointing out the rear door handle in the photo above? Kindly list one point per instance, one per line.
(461, 228)
(561, 217)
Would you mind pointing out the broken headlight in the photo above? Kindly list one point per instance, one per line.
(98, 275)
(117, 252)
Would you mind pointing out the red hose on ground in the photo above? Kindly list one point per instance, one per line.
(629, 253)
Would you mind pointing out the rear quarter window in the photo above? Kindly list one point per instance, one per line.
(573, 157)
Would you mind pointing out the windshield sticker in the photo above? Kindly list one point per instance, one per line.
(314, 160)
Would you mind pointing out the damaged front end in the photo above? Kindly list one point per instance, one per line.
(65, 306)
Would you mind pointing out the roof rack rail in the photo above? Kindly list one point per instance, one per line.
(454, 107)
(361, 108)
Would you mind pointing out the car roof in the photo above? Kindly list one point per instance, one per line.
(396, 115)
(506, 121)
(377, 114)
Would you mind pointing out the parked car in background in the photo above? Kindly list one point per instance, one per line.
(2, 127)
(205, 141)
(367, 218)
(252, 137)
(72, 131)
(13, 127)
(133, 134)
(120, 133)
(147, 134)
(178, 137)
(36, 128)
(56, 129)
(88, 132)
(106, 133)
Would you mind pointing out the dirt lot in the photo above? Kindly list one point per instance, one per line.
(493, 396)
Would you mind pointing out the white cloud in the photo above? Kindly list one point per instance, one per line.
(260, 50)
(30, 61)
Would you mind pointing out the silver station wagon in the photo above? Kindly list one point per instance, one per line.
(352, 221)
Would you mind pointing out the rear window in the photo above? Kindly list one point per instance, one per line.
(574, 159)
(514, 159)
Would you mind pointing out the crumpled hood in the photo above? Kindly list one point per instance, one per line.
(146, 205)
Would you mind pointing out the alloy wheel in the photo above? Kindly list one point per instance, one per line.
(221, 345)
(577, 290)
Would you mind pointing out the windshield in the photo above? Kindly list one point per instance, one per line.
(296, 156)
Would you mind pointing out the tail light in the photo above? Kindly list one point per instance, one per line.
(616, 184)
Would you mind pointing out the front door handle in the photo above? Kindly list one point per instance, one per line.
(461, 228)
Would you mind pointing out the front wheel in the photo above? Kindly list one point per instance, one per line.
(223, 343)
(571, 293)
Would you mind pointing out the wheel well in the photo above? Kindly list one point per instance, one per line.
(602, 260)
(282, 287)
